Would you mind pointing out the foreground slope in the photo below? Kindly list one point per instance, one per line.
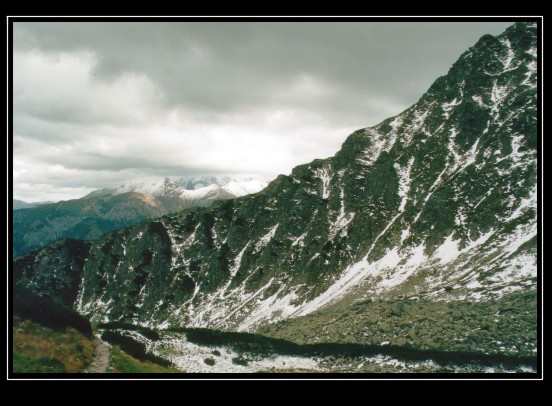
(437, 203)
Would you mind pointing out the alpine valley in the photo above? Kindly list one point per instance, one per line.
(413, 248)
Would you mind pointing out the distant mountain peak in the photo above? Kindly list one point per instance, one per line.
(20, 204)
(108, 209)
(183, 187)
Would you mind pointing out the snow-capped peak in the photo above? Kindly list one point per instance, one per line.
(190, 188)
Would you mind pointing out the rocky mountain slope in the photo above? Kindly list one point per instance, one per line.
(109, 209)
(437, 204)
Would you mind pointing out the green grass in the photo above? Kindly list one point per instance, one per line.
(29, 364)
(40, 349)
(120, 362)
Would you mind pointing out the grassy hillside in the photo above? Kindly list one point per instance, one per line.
(50, 337)
(41, 349)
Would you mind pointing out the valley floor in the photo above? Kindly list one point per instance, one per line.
(211, 351)
(403, 335)
(505, 326)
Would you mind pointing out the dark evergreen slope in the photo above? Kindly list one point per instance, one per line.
(54, 272)
(437, 203)
(36, 227)
(47, 312)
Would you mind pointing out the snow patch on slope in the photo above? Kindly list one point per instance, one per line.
(525, 204)
(325, 177)
(404, 182)
(391, 270)
(447, 107)
(265, 239)
(273, 308)
(237, 261)
(245, 187)
(448, 251)
(190, 357)
(299, 240)
(378, 144)
(342, 220)
(509, 57)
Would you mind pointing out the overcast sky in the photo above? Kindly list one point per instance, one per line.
(99, 104)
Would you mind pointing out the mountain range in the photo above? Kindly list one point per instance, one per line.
(431, 213)
(109, 209)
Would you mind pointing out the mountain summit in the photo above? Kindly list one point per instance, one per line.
(437, 203)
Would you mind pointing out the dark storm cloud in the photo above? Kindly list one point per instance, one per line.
(217, 66)
(115, 91)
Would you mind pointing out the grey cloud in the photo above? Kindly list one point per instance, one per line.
(106, 97)
(217, 66)
(87, 161)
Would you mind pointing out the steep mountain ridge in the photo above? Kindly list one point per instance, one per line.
(437, 203)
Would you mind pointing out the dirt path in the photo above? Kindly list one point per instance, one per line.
(101, 358)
